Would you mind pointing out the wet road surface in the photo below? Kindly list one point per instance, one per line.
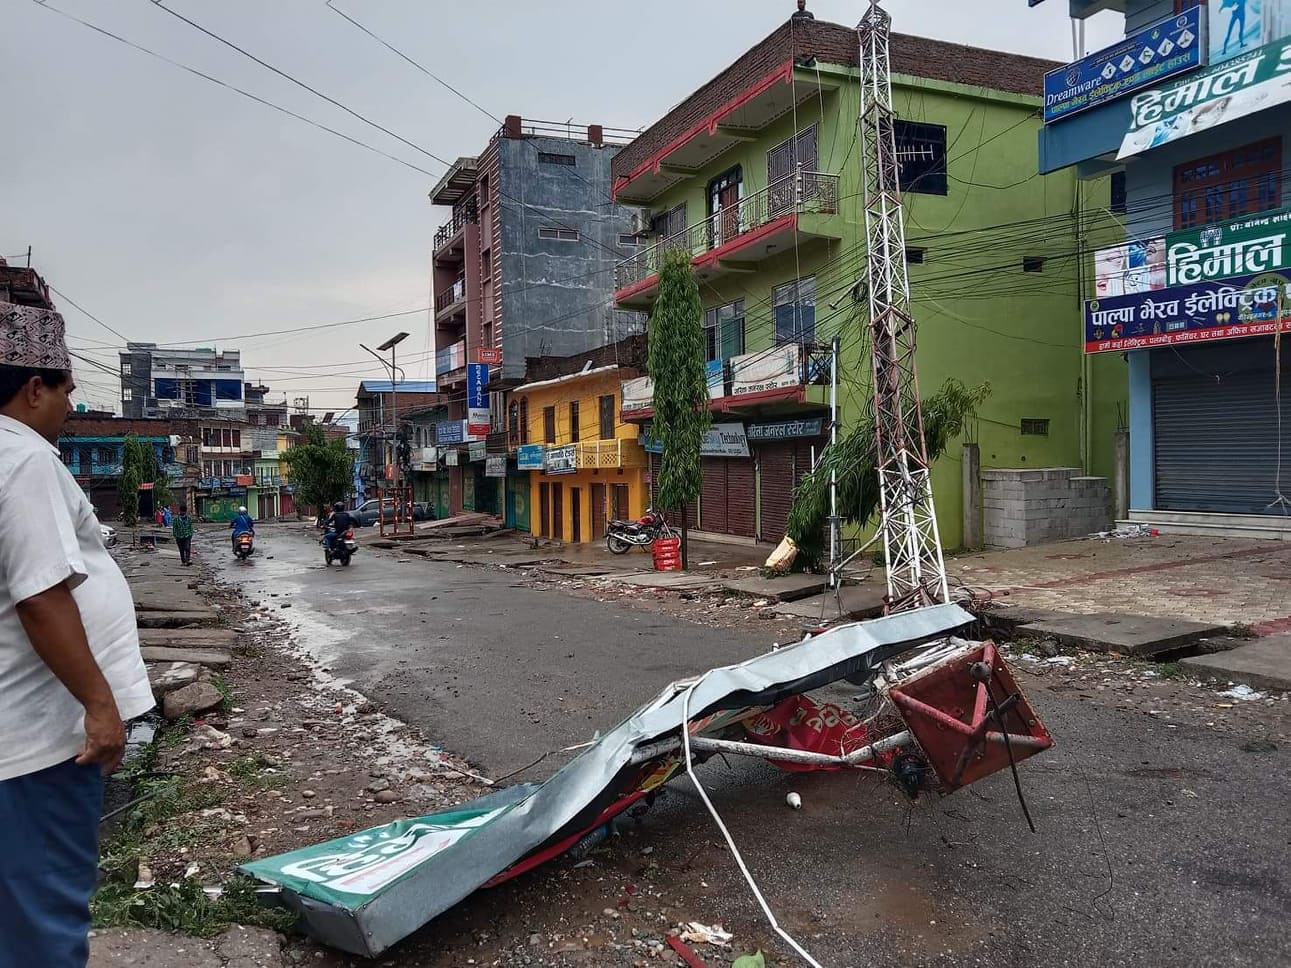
(1157, 846)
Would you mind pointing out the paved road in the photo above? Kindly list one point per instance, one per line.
(1157, 846)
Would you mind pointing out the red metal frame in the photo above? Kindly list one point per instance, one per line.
(402, 522)
(954, 710)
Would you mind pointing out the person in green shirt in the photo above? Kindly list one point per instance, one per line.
(182, 528)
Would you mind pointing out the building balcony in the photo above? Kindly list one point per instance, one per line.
(449, 239)
(609, 454)
(773, 380)
(450, 359)
(452, 301)
(801, 206)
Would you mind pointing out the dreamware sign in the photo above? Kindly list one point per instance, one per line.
(1157, 52)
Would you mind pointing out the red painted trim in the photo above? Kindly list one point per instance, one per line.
(794, 394)
(629, 291)
(558, 848)
(782, 74)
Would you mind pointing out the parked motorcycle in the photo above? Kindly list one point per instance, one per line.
(622, 536)
(343, 550)
(243, 546)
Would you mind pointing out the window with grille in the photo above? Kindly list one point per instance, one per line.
(551, 158)
(549, 424)
(1239, 182)
(795, 311)
(1035, 426)
(724, 330)
(573, 421)
(921, 157)
(607, 416)
(558, 235)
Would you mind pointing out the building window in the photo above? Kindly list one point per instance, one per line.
(1032, 263)
(559, 235)
(795, 311)
(549, 424)
(1035, 426)
(914, 255)
(550, 158)
(127, 394)
(630, 241)
(126, 369)
(1118, 192)
(921, 157)
(573, 421)
(1238, 182)
(606, 407)
(67, 456)
(724, 330)
(513, 424)
(669, 223)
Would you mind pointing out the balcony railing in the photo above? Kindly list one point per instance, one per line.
(798, 193)
(450, 358)
(600, 454)
(467, 213)
(453, 294)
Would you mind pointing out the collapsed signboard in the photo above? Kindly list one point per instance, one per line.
(365, 892)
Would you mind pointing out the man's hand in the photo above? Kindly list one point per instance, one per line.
(105, 738)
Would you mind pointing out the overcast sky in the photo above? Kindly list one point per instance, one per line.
(176, 210)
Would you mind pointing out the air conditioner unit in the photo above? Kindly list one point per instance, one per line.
(641, 222)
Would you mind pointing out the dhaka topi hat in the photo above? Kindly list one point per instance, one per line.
(33, 338)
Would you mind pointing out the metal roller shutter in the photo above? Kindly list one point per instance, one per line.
(781, 466)
(712, 506)
(741, 497)
(1215, 428)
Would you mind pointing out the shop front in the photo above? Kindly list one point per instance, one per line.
(581, 487)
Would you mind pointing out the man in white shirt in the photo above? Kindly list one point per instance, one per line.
(70, 668)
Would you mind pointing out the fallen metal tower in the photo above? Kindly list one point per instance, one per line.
(916, 570)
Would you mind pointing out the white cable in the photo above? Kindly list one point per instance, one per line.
(735, 851)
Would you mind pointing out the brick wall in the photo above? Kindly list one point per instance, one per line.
(1027, 507)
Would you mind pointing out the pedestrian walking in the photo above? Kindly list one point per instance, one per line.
(165, 517)
(182, 528)
(70, 668)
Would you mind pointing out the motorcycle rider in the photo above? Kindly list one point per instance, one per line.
(242, 524)
(338, 522)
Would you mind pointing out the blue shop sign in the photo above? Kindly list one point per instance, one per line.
(450, 432)
(1164, 49)
(786, 429)
(531, 457)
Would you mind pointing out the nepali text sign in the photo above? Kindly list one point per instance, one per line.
(477, 450)
(722, 440)
(477, 399)
(785, 429)
(1148, 56)
(495, 465)
(531, 457)
(1212, 310)
(450, 432)
(563, 459)
(638, 393)
(774, 369)
(1237, 88)
(1241, 247)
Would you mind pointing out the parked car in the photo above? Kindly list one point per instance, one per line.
(109, 536)
(365, 515)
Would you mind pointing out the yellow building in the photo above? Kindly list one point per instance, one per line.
(585, 464)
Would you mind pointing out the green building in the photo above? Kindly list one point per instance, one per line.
(759, 175)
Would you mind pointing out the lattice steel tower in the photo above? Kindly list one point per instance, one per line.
(911, 543)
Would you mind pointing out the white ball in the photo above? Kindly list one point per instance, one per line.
(794, 801)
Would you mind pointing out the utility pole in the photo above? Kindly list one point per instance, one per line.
(916, 570)
(390, 345)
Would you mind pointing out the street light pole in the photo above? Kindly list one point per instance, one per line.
(390, 345)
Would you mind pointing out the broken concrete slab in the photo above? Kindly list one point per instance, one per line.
(177, 620)
(190, 638)
(1138, 635)
(1261, 664)
(783, 588)
(238, 947)
(673, 580)
(190, 700)
(167, 677)
(857, 602)
(206, 657)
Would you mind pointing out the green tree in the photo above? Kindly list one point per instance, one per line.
(139, 466)
(320, 470)
(946, 414)
(676, 364)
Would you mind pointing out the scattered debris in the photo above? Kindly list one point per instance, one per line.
(1243, 692)
(794, 800)
(697, 933)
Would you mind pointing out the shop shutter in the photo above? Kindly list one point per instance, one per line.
(712, 513)
(781, 467)
(1215, 428)
(741, 497)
